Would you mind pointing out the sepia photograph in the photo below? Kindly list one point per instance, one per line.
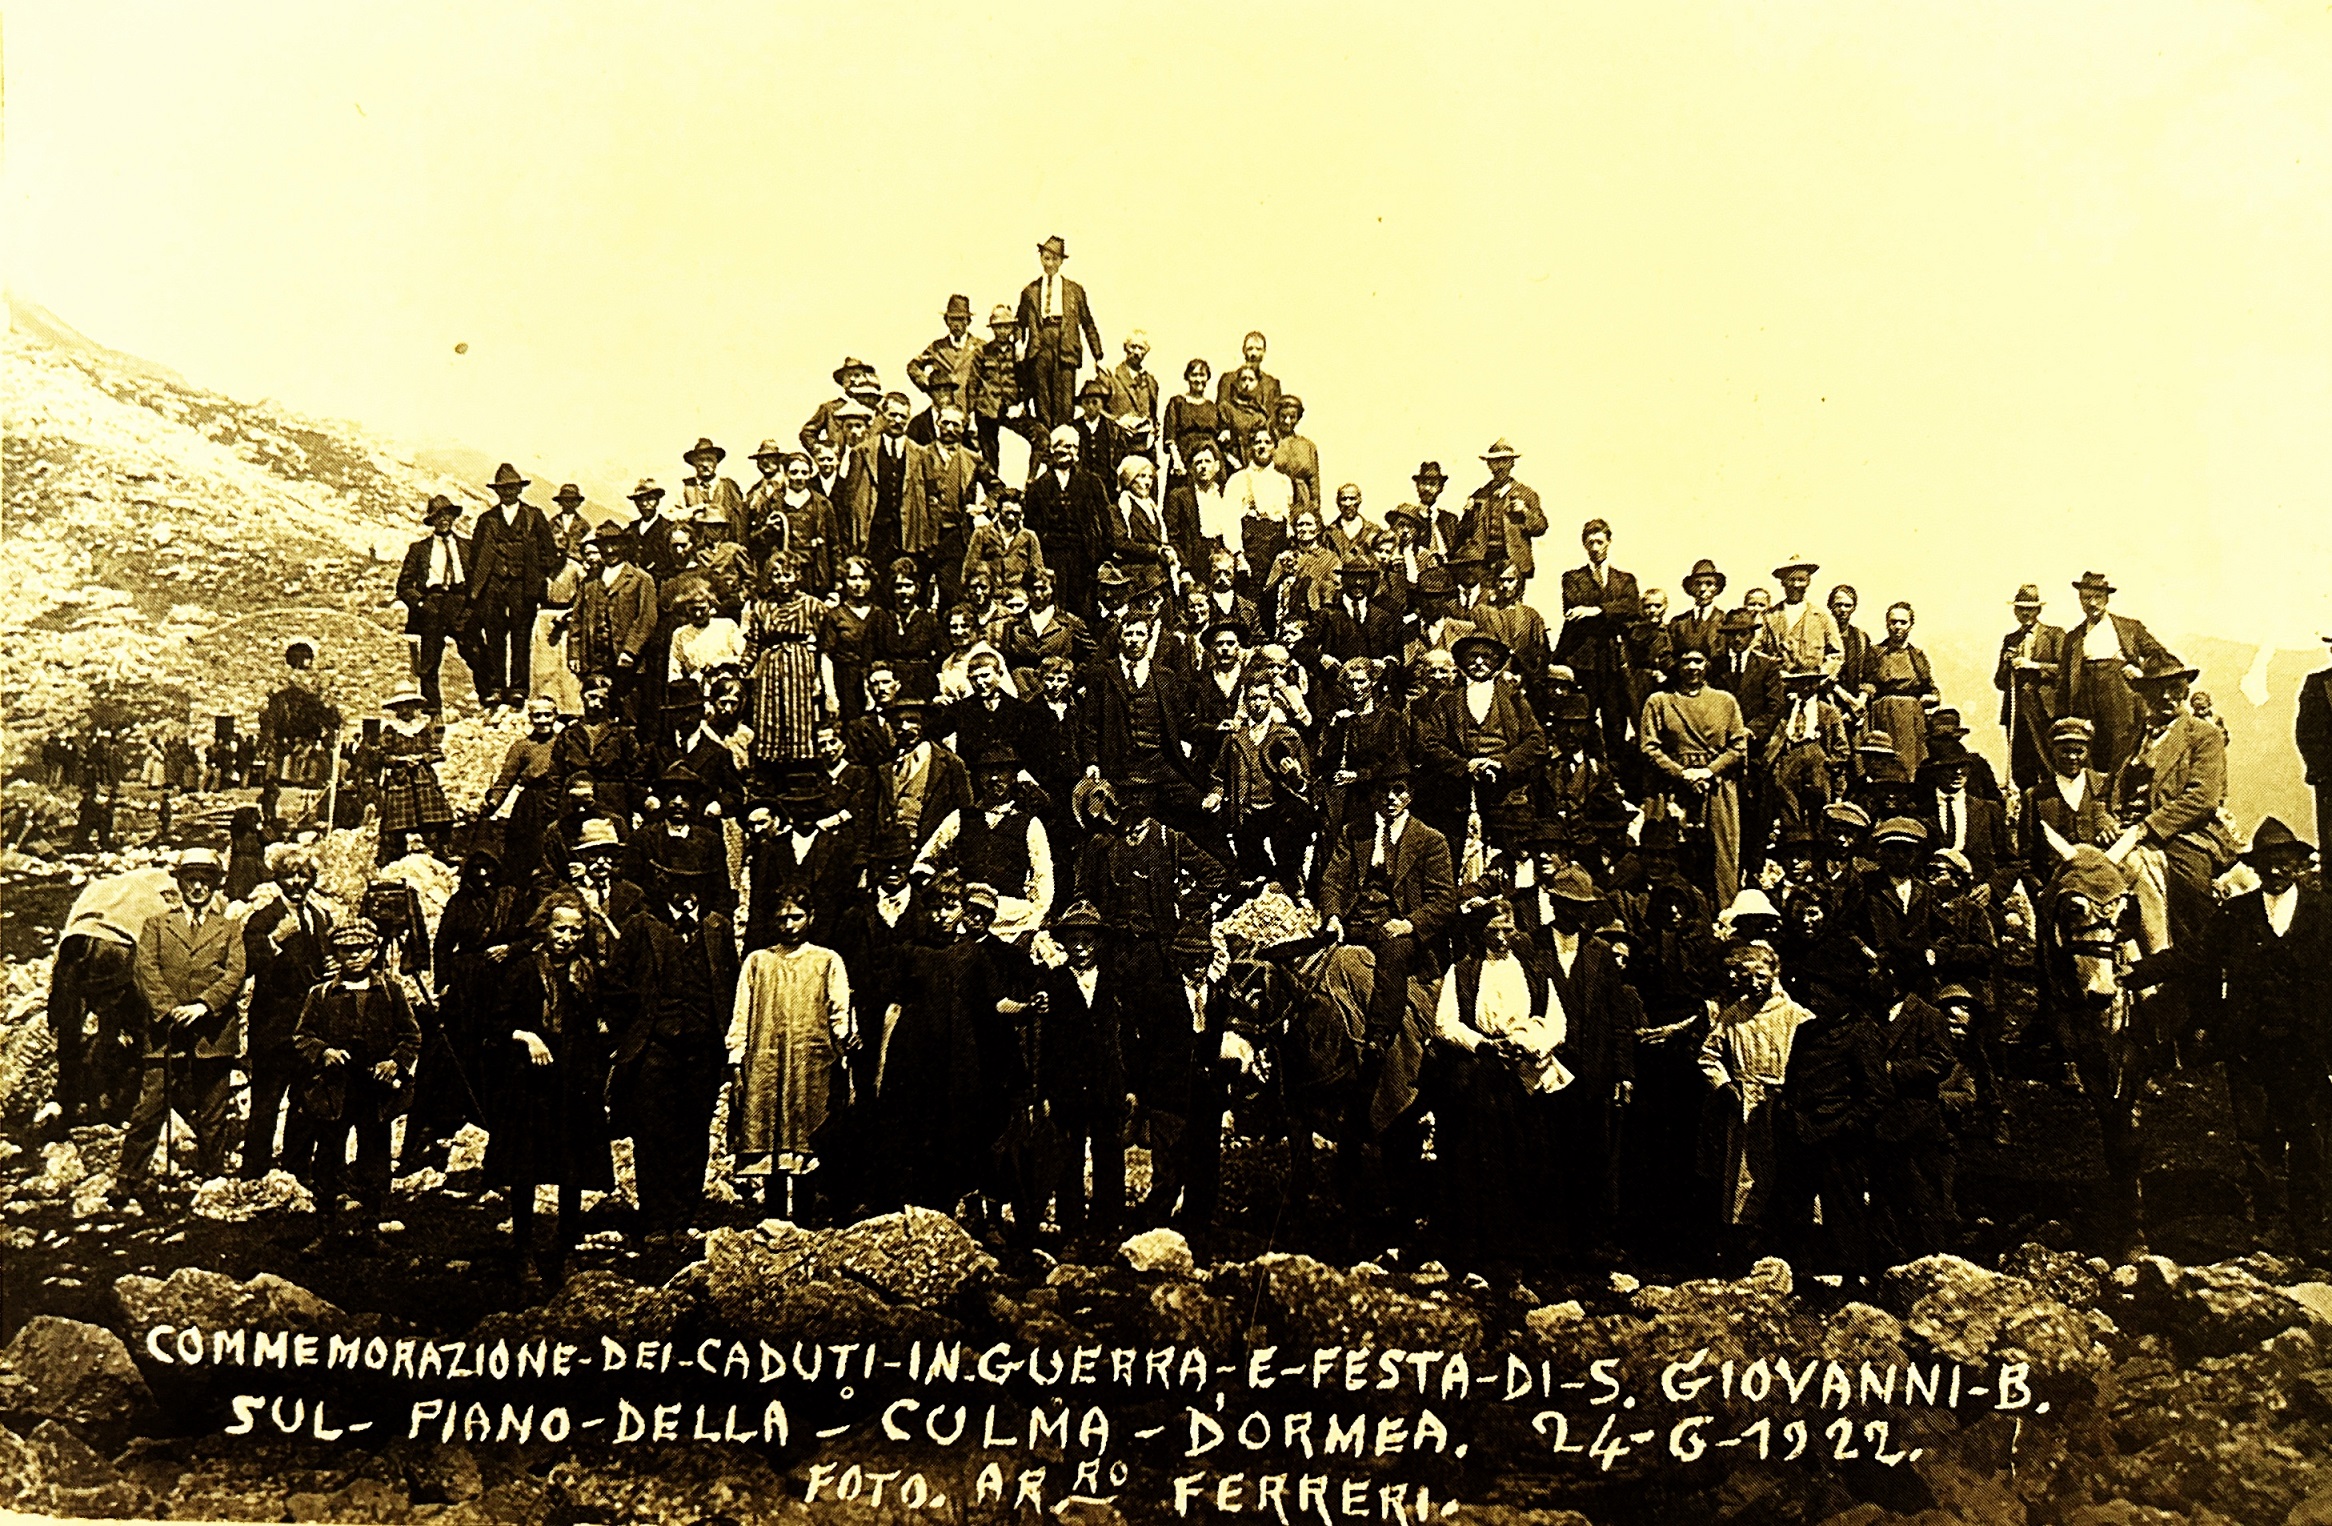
(1543, 765)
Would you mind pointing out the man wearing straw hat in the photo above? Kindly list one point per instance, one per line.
(2032, 662)
(1502, 517)
(189, 967)
(1799, 633)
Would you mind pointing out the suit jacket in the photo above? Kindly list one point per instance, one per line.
(1448, 738)
(500, 550)
(1101, 446)
(1078, 330)
(611, 621)
(1424, 882)
(976, 730)
(1473, 525)
(2041, 690)
(1897, 933)
(413, 581)
(2312, 726)
(1379, 633)
(1987, 847)
(654, 555)
(2136, 643)
(948, 789)
(918, 522)
(1075, 517)
(178, 963)
(953, 477)
(2091, 825)
(1591, 644)
(950, 357)
(282, 970)
(1758, 687)
(1695, 632)
(2189, 783)
(1599, 1016)
(2274, 1007)
(1107, 740)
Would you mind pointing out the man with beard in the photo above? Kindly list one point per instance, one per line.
(2167, 795)
(615, 615)
(676, 968)
(998, 842)
(548, 1043)
(286, 952)
(706, 496)
(189, 969)
(357, 1037)
(604, 746)
(1390, 888)
(1482, 747)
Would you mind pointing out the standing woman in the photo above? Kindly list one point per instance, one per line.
(1900, 690)
(412, 799)
(550, 1124)
(849, 634)
(1200, 515)
(782, 662)
(1190, 419)
(906, 635)
(786, 1038)
(553, 676)
(1854, 668)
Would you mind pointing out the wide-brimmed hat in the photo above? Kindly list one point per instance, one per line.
(995, 755)
(1502, 449)
(2027, 596)
(439, 504)
(408, 695)
(703, 447)
(958, 306)
(597, 836)
(647, 488)
(2274, 837)
(1704, 568)
(1798, 562)
(2162, 668)
(568, 493)
(1571, 705)
(850, 364)
(2092, 582)
(1429, 471)
(1876, 741)
(1547, 832)
(1737, 621)
(1476, 641)
(891, 845)
(1408, 512)
(612, 532)
(506, 475)
(1435, 583)
(199, 861)
(1053, 246)
(1797, 675)
(1111, 575)
(1094, 387)
(768, 448)
(1572, 883)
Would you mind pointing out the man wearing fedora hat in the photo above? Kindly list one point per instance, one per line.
(1702, 626)
(511, 553)
(706, 495)
(997, 841)
(1058, 323)
(615, 614)
(995, 392)
(189, 968)
(2100, 657)
(953, 356)
(2167, 794)
(433, 584)
(858, 380)
(2032, 663)
(569, 529)
(1481, 748)
(1357, 624)
(1502, 517)
(2269, 951)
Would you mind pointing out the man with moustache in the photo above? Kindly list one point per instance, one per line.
(511, 553)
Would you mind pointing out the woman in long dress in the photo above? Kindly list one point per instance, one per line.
(1190, 419)
(786, 1037)
(782, 664)
(553, 678)
(849, 630)
(1901, 690)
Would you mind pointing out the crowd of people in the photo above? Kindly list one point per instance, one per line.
(1052, 769)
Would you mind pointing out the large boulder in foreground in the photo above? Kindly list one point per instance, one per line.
(198, 1298)
(1968, 1313)
(68, 1370)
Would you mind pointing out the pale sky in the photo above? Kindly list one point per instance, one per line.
(1946, 296)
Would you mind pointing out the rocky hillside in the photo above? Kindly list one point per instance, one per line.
(163, 540)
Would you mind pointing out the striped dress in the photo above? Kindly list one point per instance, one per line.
(781, 659)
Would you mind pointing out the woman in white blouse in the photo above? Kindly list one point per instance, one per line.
(1502, 1019)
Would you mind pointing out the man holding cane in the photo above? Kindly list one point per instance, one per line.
(189, 968)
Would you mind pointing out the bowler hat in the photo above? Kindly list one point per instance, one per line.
(1704, 568)
(506, 475)
(703, 447)
(440, 504)
(1945, 723)
(958, 306)
(567, 493)
(1053, 246)
(2274, 837)
(2093, 582)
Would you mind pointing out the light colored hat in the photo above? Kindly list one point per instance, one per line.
(646, 489)
(198, 861)
(598, 836)
(1751, 902)
(408, 695)
(1502, 449)
(1798, 563)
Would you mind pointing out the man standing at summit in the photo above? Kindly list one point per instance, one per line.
(2101, 656)
(1501, 518)
(1059, 327)
(511, 552)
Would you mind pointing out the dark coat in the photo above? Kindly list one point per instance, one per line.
(1072, 518)
(550, 1121)
(1600, 1014)
(283, 971)
(413, 581)
(1592, 643)
(1378, 634)
(1424, 879)
(2312, 726)
(1107, 740)
(2038, 693)
(503, 551)
(1758, 687)
(1077, 327)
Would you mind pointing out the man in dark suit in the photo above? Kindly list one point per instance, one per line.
(189, 967)
(434, 586)
(2101, 656)
(1599, 603)
(651, 534)
(1959, 818)
(1136, 710)
(2312, 733)
(2031, 667)
(886, 499)
(1701, 627)
(923, 782)
(1598, 1048)
(284, 950)
(1068, 508)
(2269, 952)
(1754, 679)
(2071, 808)
(511, 552)
(1100, 442)
(1356, 625)
(1060, 327)
(1502, 517)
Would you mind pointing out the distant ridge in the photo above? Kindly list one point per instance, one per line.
(34, 321)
